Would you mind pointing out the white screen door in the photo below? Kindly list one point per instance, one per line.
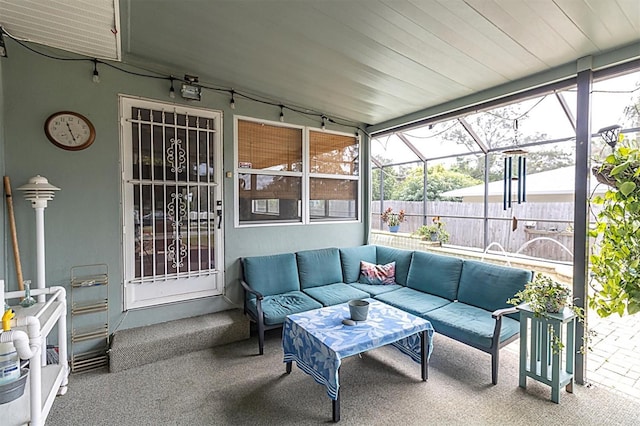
(172, 202)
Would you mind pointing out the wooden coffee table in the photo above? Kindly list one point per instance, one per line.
(317, 341)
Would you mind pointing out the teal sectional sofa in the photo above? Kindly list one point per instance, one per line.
(465, 300)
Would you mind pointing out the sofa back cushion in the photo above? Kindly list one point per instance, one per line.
(351, 257)
(319, 267)
(488, 286)
(435, 274)
(402, 258)
(269, 275)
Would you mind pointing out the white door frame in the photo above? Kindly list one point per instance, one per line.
(140, 292)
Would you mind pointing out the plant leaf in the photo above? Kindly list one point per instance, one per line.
(627, 188)
(620, 168)
(633, 307)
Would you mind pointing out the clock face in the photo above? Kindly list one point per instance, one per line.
(69, 130)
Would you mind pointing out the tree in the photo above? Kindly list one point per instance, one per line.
(391, 181)
(439, 180)
(632, 112)
(495, 131)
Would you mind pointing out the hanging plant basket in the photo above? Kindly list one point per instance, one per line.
(602, 173)
(612, 174)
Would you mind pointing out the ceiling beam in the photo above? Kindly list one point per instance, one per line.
(517, 97)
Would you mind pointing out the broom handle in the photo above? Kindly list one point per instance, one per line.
(14, 234)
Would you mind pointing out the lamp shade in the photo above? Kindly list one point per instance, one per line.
(38, 190)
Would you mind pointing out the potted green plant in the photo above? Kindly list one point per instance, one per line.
(615, 256)
(434, 232)
(393, 220)
(545, 296)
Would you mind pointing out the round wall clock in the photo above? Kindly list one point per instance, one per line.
(69, 130)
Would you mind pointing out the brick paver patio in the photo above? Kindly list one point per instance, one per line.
(614, 361)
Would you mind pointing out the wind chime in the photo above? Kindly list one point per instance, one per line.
(515, 169)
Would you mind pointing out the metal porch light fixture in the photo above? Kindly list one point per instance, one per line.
(190, 89)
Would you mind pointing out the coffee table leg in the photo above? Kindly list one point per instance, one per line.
(335, 405)
(424, 355)
(289, 367)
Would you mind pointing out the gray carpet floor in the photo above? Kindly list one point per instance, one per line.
(231, 385)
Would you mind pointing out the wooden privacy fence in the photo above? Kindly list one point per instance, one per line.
(543, 230)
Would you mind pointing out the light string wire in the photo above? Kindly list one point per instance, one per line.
(524, 114)
(232, 92)
(433, 135)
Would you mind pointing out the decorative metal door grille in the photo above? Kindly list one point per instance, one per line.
(174, 194)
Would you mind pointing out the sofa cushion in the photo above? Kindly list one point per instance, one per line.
(413, 301)
(274, 274)
(374, 289)
(489, 286)
(435, 274)
(319, 267)
(373, 274)
(350, 258)
(401, 257)
(469, 324)
(275, 308)
(334, 294)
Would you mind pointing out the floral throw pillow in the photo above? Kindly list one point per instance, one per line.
(377, 274)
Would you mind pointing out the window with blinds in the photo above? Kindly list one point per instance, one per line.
(269, 178)
(333, 176)
(292, 174)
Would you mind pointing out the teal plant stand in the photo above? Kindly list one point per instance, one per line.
(538, 360)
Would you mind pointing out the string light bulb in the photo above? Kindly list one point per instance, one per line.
(282, 113)
(96, 75)
(232, 104)
(324, 123)
(172, 91)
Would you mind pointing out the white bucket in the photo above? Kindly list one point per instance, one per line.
(9, 363)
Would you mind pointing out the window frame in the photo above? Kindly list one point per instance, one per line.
(305, 176)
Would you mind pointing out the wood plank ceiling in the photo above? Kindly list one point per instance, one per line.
(369, 60)
(87, 27)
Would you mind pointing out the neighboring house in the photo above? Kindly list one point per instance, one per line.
(556, 185)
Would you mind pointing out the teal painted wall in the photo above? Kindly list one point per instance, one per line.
(3, 232)
(83, 221)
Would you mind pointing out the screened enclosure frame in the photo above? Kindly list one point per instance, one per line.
(583, 135)
(423, 159)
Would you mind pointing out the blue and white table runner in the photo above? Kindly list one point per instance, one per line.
(317, 340)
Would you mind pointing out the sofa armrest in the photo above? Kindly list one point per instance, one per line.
(500, 312)
(248, 288)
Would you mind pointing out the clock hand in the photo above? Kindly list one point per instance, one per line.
(71, 133)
